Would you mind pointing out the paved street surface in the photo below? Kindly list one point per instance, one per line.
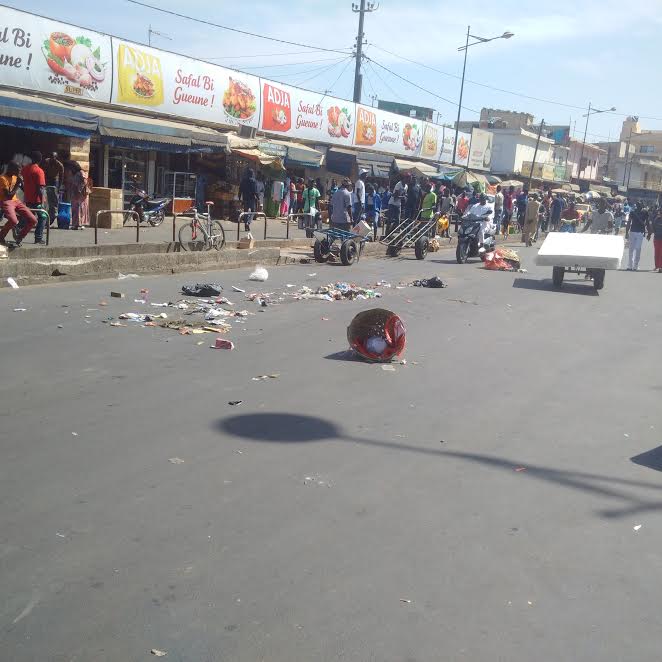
(478, 503)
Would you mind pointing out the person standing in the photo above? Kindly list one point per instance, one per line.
(34, 190)
(656, 227)
(498, 207)
(530, 219)
(414, 198)
(547, 205)
(78, 192)
(398, 194)
(293, 196)
(429, 203)
(373, 203)
(601, 221)
(555, 211)
(522, 201)
(340, 207)
(508, 206)
(638, 224)
(248, 195)
(310, 204)
(319, 187)
(300, 189)
(259, 182)
(54, 171)
(359, 192)
(332, 189)
(12, 207)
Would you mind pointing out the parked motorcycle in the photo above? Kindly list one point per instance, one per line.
(468, 237)
(148, 209)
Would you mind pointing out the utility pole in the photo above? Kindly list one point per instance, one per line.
(459, 105)
(535, 153)
(362, 9)
(581, 155)
(627, 154)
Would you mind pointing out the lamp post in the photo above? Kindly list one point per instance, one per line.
(591, 111)
(465, 48)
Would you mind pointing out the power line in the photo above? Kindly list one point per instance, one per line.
(335, 82)
(318, 68)
(319, 73)
(291, 64)
(225, 27)
(388, 87)
(406, 80)
(241, 57)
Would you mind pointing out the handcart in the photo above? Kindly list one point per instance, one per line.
(412, 233)
(334, 243)
(590, 254)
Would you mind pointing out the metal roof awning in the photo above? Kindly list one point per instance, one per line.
(26, 111)
(416, 166)
(256, 154)
(377, 165)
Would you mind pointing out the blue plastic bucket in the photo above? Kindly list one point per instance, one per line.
(64, 215)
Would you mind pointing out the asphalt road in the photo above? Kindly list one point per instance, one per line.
(478, 503)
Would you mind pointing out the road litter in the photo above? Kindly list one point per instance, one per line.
(60, 535)
(74, 434)
(158, 653)
(237, 289)
(312, 275)
(625, 434)
(260, 274)
(118, 324)
(377, 335)
(117, 295)
(200, 342)
(473, 303)
(222, 343)
(202, 290)
(520, 469)
(20, 310)
(316, 480)
(122, 276)
(388, 368)
(335, 292)
(176, 460)
(60, 326)
(325, 319)
(140, 317)
(12, 283)
(234, 403)
(637, 527)
(501, 259)
(405, 600)
(261, 378)
(434, 282)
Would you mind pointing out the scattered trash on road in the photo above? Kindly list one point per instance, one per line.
(12, 283)
(260, 274)
(176, 460)
(377, 335)
(158, 653)
(117, 295)
(520, 469)
(222, 343)
(202, 290)
(388, 367)
(237, 289)
(502, 259)
(122, 276)
(234, 403)
(261, 378)
(20, 310)
(434, 282)
(74, 434)
(139, 317)
(637, 527)
(405, 600)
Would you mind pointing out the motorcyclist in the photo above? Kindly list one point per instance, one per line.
(483, 211)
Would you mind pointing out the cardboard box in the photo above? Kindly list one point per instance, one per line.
(246, 242)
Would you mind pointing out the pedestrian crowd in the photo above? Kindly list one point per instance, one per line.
(31, 190)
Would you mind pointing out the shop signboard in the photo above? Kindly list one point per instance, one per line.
(304, 115)
(40, 55)
(172, 84)
(462, 149)
(480, 155)
(432, 141)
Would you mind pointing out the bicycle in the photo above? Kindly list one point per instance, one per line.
(201, 233)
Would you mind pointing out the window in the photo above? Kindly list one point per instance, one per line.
(647, 149)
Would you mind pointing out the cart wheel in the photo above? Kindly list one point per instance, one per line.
(393, 251)
(349, 253)
(321, 250)
(557, 276)
(421, 247)
(598, 278)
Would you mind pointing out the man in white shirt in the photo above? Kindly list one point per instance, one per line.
(498, 206)
(359, 191)
(398, 194)
(484, 211)
(601, 221)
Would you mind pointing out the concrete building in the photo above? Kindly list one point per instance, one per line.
(588, 154)
(513, 148)
(496, 118)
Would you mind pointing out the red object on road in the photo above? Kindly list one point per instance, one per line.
(222, 343)
(377, 335)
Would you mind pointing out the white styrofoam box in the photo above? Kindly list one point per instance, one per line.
(570, 249)
(362, 228)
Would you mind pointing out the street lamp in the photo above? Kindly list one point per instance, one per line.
(465, 48)
(591, 111)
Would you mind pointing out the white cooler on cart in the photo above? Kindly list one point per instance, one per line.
(592, 254)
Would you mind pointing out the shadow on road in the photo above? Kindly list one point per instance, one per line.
(631, 496)
(585, 288)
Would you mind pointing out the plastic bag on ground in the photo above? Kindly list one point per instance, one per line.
(260, 274)
(202, 290)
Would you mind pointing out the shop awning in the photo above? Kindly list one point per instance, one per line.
(416, 166)
(26, 111)
(340, 161)
(377, 165)
(256, 154)
(469, 178)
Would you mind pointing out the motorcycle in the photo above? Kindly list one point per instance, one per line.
(150, 210)
(468, 234)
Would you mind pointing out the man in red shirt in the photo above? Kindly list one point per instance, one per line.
(34, 183)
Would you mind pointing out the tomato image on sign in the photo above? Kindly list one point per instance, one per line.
(73, 61)
(340, 122)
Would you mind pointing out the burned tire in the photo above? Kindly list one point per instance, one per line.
(349, 252)
(598, 279)
(557, 276)
(321, 250)
(421, 247)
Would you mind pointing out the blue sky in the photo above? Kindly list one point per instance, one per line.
(569, 51)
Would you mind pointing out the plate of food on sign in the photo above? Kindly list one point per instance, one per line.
(239, 101)
(411, 136)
